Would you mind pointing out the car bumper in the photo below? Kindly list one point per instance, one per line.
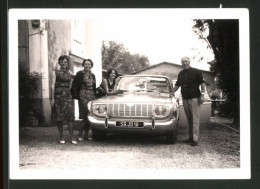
(156, 126)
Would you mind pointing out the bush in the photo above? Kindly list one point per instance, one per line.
(28, 87)
(226, 109)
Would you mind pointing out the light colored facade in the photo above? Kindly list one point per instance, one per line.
(40, 44)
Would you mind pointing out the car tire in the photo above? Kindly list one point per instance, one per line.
(98, 135)
(172, 136)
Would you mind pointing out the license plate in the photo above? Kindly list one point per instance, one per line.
(129, 124)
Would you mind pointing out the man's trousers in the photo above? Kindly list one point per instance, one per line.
(192, 111)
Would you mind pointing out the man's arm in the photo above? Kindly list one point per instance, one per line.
(202, 88)
(175, 89)
(202, 98)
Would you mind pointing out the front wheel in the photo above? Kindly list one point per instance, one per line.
(98, 135)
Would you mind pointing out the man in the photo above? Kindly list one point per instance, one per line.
(190, 79)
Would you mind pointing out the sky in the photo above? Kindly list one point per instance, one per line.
(159, 39)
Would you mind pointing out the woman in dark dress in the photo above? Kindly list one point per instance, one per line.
(61, 98)
(110, 83)
(84, 90)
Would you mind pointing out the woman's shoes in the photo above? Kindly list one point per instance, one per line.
(73, 142)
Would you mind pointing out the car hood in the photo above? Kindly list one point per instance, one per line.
(140, 98)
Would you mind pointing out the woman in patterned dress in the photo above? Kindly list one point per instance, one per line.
(61, 98)
(84, 90)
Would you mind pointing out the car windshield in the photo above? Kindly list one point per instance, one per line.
(143, 83)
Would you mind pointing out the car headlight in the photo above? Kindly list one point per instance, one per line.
(161, 111)
(175, 103)
(89, 105)
(99, 109)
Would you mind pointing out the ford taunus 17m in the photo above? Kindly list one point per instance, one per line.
(142, 104)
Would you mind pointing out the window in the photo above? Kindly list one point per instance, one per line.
(78, 37)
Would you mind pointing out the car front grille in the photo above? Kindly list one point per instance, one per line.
(130, 110)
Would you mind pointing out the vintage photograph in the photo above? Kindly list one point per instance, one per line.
(129, 94)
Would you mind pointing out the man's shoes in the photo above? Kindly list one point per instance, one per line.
(188, 140)
(194, 143)
(80, 139)
(62, 141)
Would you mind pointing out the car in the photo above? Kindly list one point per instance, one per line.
(142, 104)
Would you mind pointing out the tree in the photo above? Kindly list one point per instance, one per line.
(115, 55)
(223, 40)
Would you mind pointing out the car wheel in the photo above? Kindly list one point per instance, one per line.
(98, 135)
(172, 136)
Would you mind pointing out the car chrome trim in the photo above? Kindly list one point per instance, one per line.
(106, 122)
(111, 123)
(153, 123)
(135, 110)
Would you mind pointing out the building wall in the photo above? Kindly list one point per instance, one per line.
(168, 70)
(41, 46)
(23, 44)
(93, 47)
(59, 41)
(38, 62)
(33, 52)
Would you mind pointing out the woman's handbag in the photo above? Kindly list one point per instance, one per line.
(100, 92)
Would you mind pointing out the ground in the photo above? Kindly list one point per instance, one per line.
(219, 147)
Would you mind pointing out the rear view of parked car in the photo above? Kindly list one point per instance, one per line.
(143, 104)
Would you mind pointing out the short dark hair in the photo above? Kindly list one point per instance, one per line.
(110, 70)
(62, 57)
(92, 64)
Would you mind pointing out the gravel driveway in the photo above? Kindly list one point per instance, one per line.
(219, 147)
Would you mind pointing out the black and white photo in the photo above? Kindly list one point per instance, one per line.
(106, 94)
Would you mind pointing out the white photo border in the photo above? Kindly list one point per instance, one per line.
(244, 172)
